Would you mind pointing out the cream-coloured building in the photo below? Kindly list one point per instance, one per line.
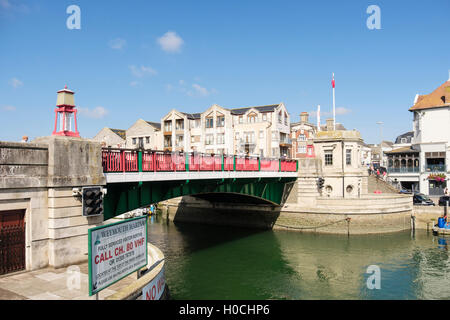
(145, 134)
(114, 138)
(260, 130)
(341, 154)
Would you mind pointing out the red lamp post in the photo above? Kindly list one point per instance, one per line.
(64, 113)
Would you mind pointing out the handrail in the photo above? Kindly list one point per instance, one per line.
(140, 160)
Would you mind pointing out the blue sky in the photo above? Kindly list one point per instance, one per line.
(140, 59)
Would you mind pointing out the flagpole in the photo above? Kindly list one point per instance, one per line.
(334, 107)
(318, 118)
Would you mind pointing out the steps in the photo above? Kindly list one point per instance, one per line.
(381, 185)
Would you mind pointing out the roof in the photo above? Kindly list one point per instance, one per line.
(268, 108)
(407, 135)
(120, 132)
(193, 116)
(155, 124)
(403, 150)
(436, 99)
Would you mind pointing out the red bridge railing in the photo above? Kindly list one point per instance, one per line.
(125, 160)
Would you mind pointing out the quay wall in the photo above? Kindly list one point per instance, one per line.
(370, 214)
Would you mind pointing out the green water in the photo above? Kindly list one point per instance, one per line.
(211, 262)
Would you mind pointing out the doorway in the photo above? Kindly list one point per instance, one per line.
(12, 241)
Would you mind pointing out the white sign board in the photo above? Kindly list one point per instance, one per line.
(155, 288)
(115, 251)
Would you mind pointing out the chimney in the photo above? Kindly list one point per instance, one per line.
(447, 93)
(330, 124)
(304, 117)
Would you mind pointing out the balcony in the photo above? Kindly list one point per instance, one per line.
(436, 168)
(403, 170)
(285, 142)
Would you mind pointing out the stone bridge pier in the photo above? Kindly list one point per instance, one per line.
(36, 182)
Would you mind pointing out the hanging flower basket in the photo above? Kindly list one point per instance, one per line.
(439, 177)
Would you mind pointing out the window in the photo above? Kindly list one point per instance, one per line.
(168, 125)
(220, 121)
(197, 123)
(251, 119)
(134, 140)
(192, 139)
(167, 141)
(285, 119)
(180, 140)
(328, 158)
(141, 141)
(241, 119)
(348, 157)
(249, 137)
(275, 135)
(261, 134)
(209, 139)
(403, 140)
(310, 149)
(209, 123)
(147, 139)
(280, 120)
(301, 137)
(179, 124)
(301, 149)
(264, 117)
(221, 138)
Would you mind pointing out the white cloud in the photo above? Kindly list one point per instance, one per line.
(134, 83)
(142, 71)
(9, 108)
(117, 43)
(200, 90)
(170, 42)
(96, 113)
(15, 83)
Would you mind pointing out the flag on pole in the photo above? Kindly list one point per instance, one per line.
(332, 81)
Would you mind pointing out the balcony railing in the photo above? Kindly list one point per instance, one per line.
(436, 168)
(403, 170)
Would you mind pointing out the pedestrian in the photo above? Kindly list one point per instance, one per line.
(446, 192)
(384, 175)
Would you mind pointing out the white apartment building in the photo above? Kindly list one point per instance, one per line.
(260, 130)
(431, 127)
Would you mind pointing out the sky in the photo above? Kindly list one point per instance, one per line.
(140, 59)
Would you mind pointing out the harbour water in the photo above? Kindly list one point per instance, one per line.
(213, 262)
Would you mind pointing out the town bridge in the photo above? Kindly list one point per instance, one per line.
(39, 208)
(137, 178)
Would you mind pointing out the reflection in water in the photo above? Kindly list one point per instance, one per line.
(211, 262)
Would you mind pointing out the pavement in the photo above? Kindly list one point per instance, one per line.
(69, 283)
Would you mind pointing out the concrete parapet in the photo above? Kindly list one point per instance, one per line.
(73, 161)
(23, 165)
(154, 267)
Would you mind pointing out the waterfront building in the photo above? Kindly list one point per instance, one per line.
(340, 153)
(144, 134)
(403, 163)
(113, 138)
(262, 130)
(302, 134)
(431, 119)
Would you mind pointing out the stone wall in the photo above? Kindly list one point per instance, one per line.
(38, 178)
(194, 210)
